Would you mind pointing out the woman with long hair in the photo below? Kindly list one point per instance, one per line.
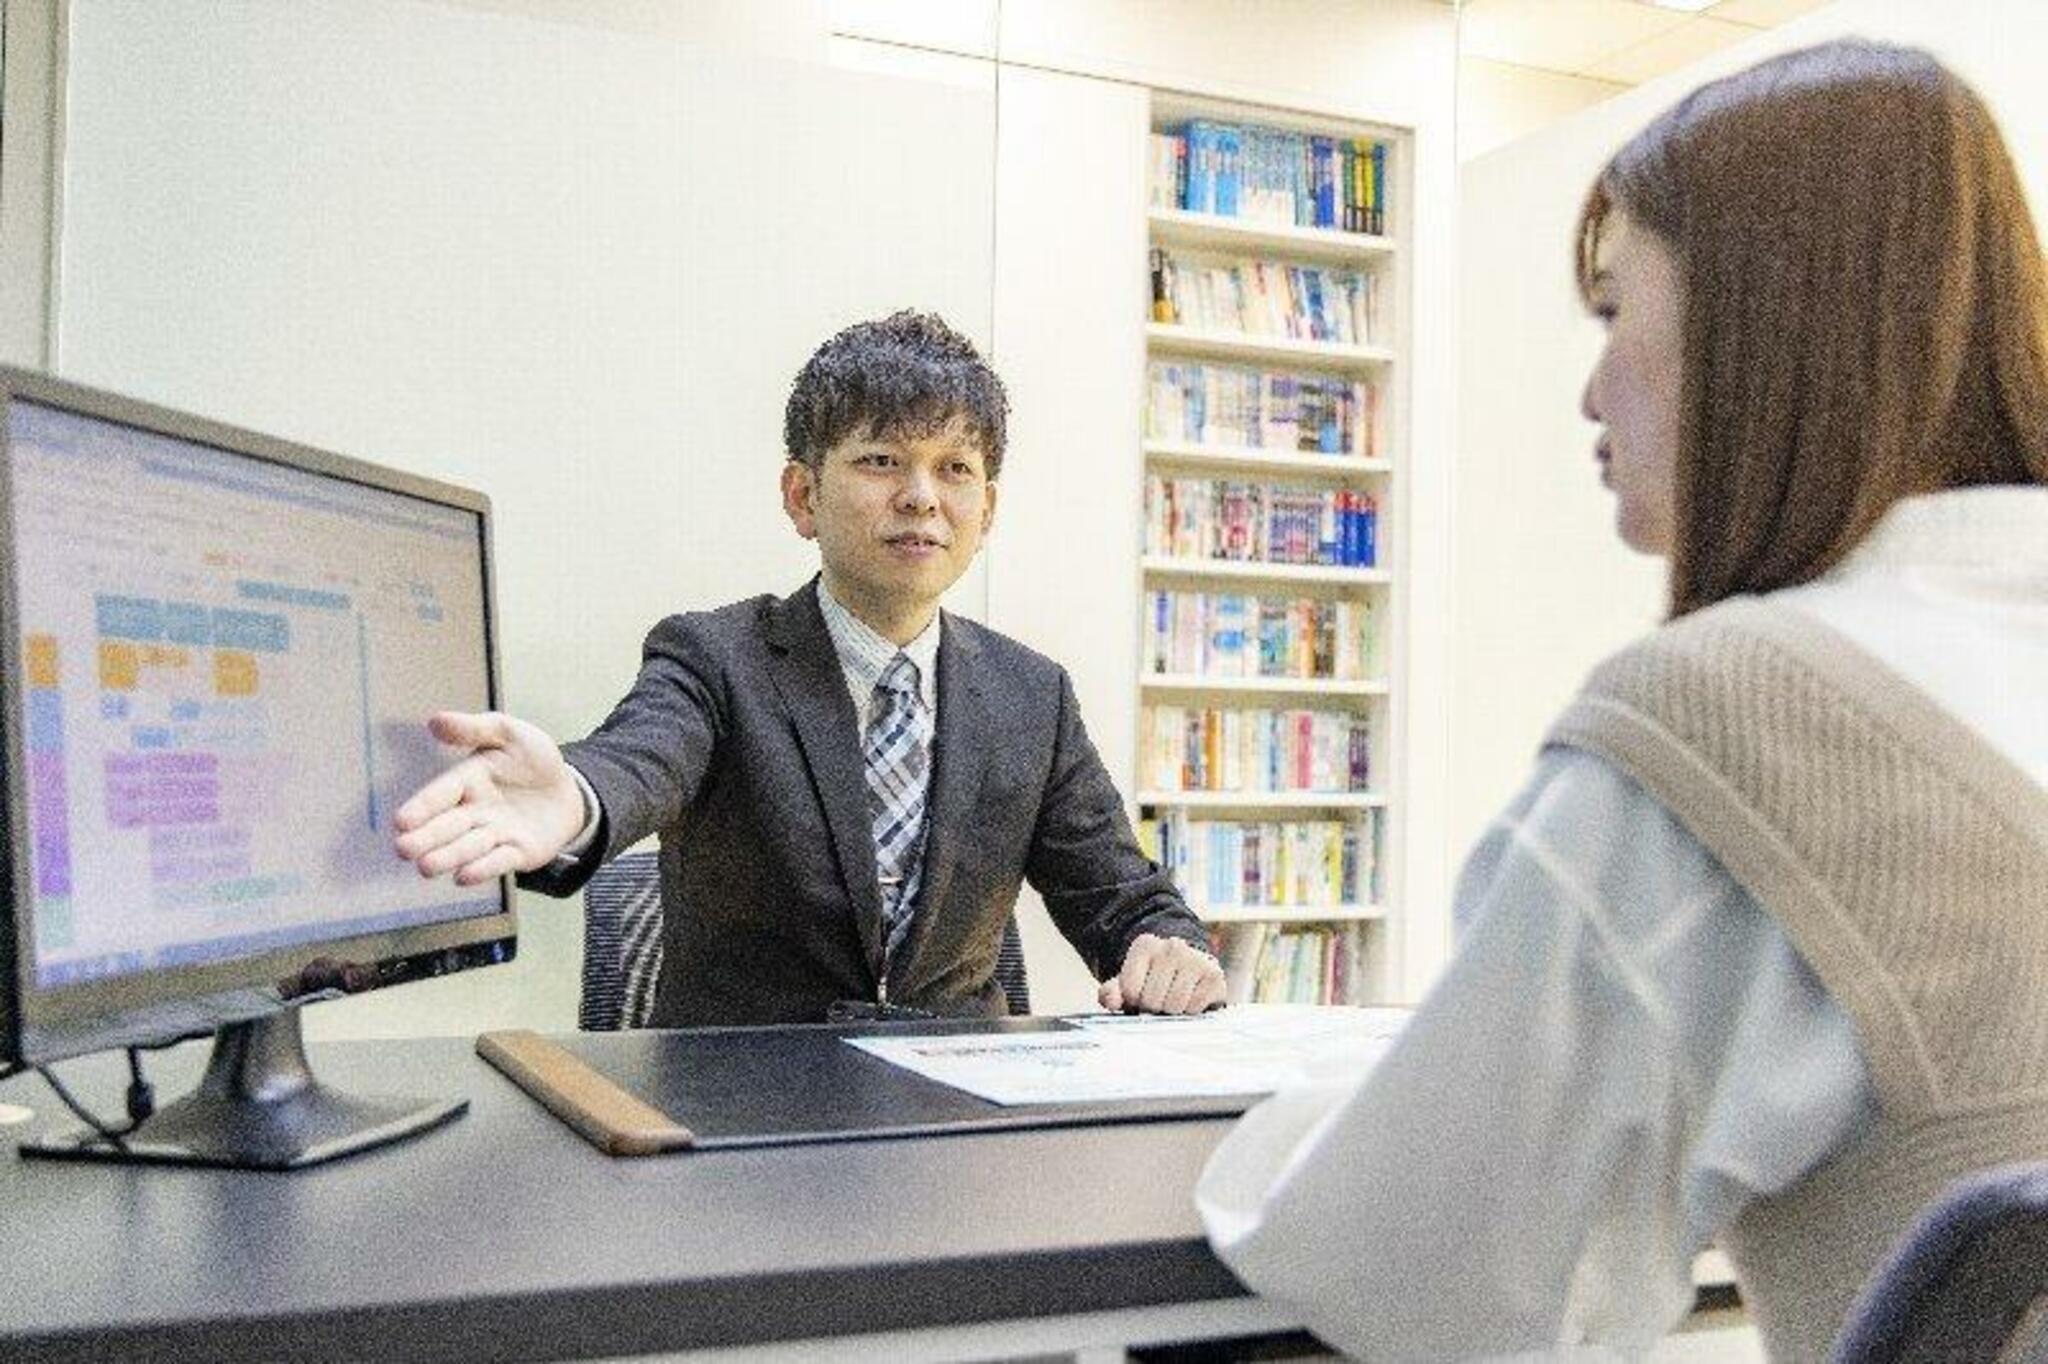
(1759, 956)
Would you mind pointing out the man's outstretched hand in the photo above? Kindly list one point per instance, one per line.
(1163, 976)
(510, 805)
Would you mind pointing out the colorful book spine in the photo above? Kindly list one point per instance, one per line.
(1270, 175)
(1232, 406)
(1240, 635)
(1272, 523)
(1248, 750)
(1266, 963)
(1267, 298)
(1288, 864)
(1162, 295)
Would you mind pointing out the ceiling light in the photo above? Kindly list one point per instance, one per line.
(1686, 6)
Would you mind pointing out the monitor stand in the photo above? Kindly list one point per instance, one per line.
(258, 1107)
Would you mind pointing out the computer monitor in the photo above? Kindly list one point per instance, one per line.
(220, 653)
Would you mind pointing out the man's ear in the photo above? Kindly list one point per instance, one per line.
(988, 508)
(799, 497)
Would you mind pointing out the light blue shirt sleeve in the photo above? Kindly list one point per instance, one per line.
(1625, 1051)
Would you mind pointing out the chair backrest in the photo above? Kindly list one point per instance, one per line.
(622, 947)
(1968, 1282)
(621, 943)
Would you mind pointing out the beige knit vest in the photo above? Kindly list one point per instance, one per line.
(1906, 859)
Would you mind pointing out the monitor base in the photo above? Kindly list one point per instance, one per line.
(258, 1107)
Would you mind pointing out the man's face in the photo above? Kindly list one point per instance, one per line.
(897, 520)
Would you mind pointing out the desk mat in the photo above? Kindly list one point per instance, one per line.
(780, 1086)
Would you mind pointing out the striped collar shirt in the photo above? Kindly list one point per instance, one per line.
(863, 654)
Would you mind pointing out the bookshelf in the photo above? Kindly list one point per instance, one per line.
(1265, 800)
(1272, 350)
(1290, 914)
(1271, 458)
(1266, 686)
(1163, 565)
(1196, 455)
(1181, 227)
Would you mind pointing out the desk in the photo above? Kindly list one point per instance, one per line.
(505, 1237)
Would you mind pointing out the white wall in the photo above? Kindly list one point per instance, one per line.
(1500, 101)
(576, 268)
(791, 29)
(1543, 589)
(30, 41)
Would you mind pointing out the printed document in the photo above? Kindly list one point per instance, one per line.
(1246, 1049)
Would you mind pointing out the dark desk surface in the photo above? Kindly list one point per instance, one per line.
(505, 1237)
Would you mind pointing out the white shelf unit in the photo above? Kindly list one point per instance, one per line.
(1182, 228)
(1348, 913)
(1166, 566)
(1346, 468)
(1258, 348)
(1373, 465)
(1263, 686)
(1266, 800)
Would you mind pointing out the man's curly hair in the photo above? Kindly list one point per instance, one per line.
(906, 375)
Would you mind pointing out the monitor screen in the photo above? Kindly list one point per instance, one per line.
(223, 652)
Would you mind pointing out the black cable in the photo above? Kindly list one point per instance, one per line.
(141, 1097)
(78, 1109)
(141, 1100)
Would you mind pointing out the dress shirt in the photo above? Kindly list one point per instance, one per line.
(864, 653)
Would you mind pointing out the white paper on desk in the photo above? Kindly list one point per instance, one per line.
(1264, 1047)
(1070, 1066)
(1246, 1050)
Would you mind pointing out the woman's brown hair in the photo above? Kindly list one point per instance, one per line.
(1864, 305)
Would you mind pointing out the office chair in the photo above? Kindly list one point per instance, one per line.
(1966, 1284)
(622, 947)
(621, 943)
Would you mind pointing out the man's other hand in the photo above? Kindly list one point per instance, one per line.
(510, 805)
(1163, 976)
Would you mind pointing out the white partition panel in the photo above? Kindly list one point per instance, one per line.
(572, 267)
(1070, 291)
(1543, 588)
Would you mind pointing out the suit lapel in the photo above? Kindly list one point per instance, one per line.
(813, 686)
(959, 755)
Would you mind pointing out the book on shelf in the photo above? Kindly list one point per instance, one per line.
(1238, 635)
(1166, 177)
(1266, 298)
(1260, 522)
(1249, 750)
(1236, 406)
(1237, 950)
(1265, 963)
(1282, 864)
(1270, 175)
(1162, 302)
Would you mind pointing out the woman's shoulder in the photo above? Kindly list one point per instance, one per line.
(1733, 647)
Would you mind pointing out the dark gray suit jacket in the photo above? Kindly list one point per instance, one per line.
(739, 745)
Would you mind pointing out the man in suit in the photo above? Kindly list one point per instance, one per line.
(850, 785)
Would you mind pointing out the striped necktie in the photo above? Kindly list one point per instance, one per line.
(898, 768)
